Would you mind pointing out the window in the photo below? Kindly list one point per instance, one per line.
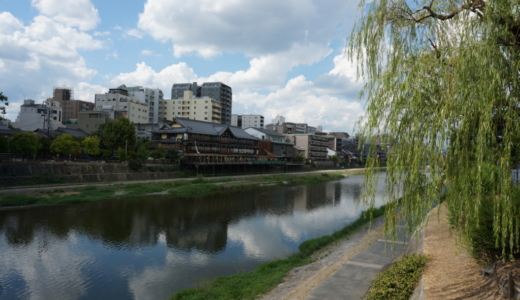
(205, 107)
(205, 118)
(205, 112)
(206, 101)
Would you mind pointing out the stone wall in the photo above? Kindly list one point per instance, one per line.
(27, 173)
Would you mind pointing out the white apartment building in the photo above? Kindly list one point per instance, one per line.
(34, 116)
(194, 108)
(153, 98)
(246, 121)
(121, 105)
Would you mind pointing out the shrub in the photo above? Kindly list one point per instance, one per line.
(162, 169)
(151, 168)
(199, 179)
(135, 164)
(399, 281)
(121, 154)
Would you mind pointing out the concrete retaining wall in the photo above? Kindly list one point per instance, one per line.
(26, 173)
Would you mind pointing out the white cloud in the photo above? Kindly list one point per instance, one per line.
(77, 13)
(39, 56)
(300, 101)
(101, 33)
(270, 71)
(134, 33)
(149, 53)
(209, 28)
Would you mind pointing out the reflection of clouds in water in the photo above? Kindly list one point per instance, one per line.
(50, 268)
(149, 283)
(263, 237)
(259, 238)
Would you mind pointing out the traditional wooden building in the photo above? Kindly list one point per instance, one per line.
(205, 143)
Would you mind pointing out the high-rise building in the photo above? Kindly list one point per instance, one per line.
(246, 121)
(193, 108)
(70, 107)
(214, 90)
(153, 98)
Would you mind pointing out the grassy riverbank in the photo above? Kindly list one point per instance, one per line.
(265, 277)
(197, 186)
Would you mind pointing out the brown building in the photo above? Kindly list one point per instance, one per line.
(89, 121)
(315, 146)
(70, 107)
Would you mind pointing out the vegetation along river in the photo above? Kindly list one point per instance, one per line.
(151, 247)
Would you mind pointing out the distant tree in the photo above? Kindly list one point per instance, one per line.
(159, 153)
(334, 159)
(90, 145)
(117, 133)
(65, 145)
(4, 145)
(121, 154)
(2, 108)
(25, 144)
(45, 145)
(172, 154)
(299, 158)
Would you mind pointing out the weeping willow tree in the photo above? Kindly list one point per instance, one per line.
(443, 81)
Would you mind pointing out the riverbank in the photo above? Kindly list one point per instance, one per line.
(178, 187)
(267, 276)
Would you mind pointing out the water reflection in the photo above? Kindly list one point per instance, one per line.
(148, 248)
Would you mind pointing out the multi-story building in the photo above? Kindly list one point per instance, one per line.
(279, 125)
(315, 146)
(246, 121)
(153, 98)
(194, 108)
(214, 90)
(272, 144)
(70, 107)
(89, 121)
(204, 143)
(34, 116)
(118, 103)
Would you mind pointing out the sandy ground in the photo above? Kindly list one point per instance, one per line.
(451, 273)
(302, 280)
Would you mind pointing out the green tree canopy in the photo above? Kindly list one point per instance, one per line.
(25, 144)
(2, 108)
(65, 144)
(117, 132)
(90, 145)
(443, 76)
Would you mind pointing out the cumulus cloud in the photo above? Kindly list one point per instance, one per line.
(77, 13)
(40, 55)
(209, 28)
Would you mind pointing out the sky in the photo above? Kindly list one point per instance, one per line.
(283, 57)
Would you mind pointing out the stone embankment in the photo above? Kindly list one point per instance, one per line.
(29, 173)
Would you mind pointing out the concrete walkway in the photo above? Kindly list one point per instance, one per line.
(353, 279)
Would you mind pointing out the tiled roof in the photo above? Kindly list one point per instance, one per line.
(267, 131)
(201, 127)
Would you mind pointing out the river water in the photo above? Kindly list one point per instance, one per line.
(150, 247)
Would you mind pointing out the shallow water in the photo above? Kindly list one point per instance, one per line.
(150, 247)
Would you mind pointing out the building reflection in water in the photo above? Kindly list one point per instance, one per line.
(246, 227)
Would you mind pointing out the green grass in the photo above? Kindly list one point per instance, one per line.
(197, 186)
(265, 277)
(399, 281)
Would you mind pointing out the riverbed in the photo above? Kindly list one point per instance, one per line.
(151, 247)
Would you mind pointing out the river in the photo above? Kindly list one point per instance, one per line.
(151, 247)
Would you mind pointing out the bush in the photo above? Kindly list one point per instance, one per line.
(399, 281)
(135, 164)
(151, 168)
(121, 154)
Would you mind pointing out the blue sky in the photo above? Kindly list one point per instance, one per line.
(280, 57)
